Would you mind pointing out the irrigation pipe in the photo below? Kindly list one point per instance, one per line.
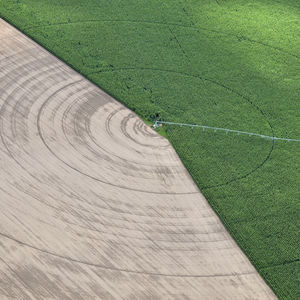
(156, 124)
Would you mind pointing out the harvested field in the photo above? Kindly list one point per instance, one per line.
(95, 204)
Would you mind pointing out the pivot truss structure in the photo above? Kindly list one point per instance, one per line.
(273, 138)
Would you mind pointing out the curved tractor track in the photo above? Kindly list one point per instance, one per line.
(94, 203)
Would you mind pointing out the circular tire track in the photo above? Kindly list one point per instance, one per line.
(245, 98)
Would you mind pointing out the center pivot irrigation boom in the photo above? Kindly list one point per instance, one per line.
(273, 138)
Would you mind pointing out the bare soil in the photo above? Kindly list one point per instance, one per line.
(94, 203)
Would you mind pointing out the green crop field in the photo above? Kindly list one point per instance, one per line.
(224, 63)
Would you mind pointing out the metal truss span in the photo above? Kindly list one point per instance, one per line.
(94, 203)
(226, 130)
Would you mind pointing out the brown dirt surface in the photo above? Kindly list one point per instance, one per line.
(94, 203)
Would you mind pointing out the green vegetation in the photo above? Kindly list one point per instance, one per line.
(225, 63)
